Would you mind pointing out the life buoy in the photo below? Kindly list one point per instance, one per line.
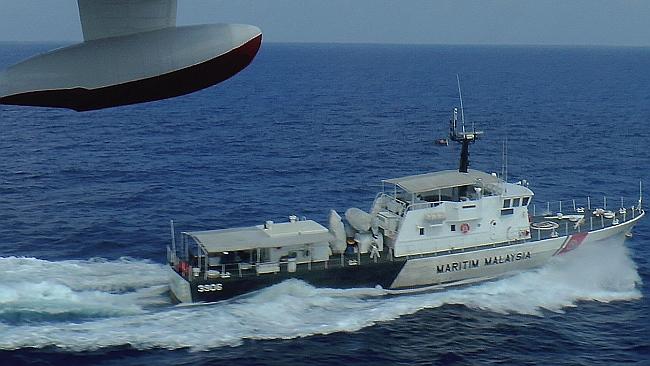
(464, 228)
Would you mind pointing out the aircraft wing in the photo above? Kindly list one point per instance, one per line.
(110, 18)
(132, 52)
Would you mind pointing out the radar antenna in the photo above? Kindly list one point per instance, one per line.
(463, 137)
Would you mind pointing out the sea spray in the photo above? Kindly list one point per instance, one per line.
(597, 272)
(601, 271)
(37, 290)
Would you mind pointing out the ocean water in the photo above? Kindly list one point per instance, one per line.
(86, 199)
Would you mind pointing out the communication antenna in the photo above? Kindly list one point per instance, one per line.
(640, 194)
(462, 111)
(171, 224)
(504, 159)
(463, 137)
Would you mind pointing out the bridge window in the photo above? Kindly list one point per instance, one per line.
(515, 202)
(525, 201)
(506, 203)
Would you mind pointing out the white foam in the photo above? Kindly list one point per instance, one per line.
(600, 272)
(94, 287)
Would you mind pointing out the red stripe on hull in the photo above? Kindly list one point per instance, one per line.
(572, 243)
(173, 84)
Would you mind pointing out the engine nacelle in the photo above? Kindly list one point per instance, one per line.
(133, 68)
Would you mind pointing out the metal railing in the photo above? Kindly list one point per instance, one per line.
(172, 258)
(422, 205)
(554, 225)
(399, 206)
(578, 205)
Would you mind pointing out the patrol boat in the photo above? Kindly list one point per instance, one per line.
(423, 232)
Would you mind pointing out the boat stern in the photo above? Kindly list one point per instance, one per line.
(179, 286)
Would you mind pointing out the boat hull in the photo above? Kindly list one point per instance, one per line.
(407, 274)
(365, 276)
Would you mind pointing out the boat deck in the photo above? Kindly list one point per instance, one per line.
(241, 270)
(563, 224)
(542, 227)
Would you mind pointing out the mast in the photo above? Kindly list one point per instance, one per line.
(463, 136)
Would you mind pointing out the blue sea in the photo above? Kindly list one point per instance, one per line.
(86, 199)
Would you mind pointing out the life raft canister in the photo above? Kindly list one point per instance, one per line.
(464, 228)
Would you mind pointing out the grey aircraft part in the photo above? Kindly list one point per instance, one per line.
(104, 19)
(132, 52)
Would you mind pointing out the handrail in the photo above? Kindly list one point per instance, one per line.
(403, 205)
(573, 205)
(172, 258)
(589, 222)
(422, 205)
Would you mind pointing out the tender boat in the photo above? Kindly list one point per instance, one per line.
(422, 232)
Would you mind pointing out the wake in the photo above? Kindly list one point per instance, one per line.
(87, 305)
(37, 290)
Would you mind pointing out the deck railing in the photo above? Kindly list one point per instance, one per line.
(172, 258)
(568, 222)
(422, 205)
(245, 269)
(588, 203)
(392, 204)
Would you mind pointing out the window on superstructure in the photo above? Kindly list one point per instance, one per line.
(525, 201)
(453, 227)
(515, 202)
(506, 203)
(421, 230)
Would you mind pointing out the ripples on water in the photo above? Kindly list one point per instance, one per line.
(86, 199)
(86, 305)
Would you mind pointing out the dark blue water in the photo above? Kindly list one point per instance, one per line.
(85, 202)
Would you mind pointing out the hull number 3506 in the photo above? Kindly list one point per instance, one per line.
(208, 288)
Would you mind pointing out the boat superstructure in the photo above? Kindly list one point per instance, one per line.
(422, 232)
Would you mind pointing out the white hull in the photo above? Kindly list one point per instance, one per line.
(479, 265)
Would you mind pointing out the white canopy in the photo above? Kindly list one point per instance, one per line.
(441, 180)
(278, 235)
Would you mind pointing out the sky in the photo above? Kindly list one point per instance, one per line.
(502, 22)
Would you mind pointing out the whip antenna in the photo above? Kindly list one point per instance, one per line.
(463, 137)
(462, 111)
